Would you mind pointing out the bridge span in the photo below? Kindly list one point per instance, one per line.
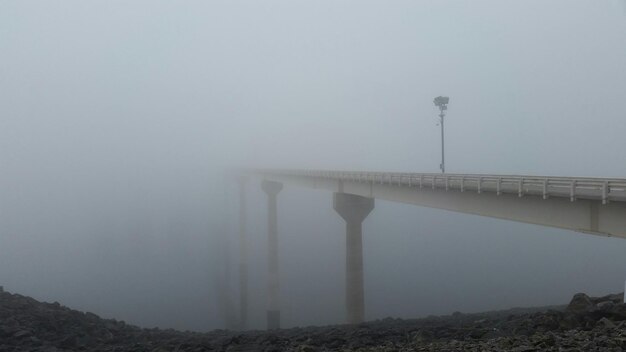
(583, 204)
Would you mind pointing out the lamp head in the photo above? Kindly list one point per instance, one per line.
(441, 102)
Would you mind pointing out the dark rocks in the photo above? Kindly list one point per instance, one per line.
(587, 323)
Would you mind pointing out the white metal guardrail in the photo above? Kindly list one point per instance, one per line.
(603, 189)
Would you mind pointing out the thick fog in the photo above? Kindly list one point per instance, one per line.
(118, 121)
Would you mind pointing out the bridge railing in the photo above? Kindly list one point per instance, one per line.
(563, 187)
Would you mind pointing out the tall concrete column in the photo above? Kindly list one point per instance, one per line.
(273, 307)
(354, 209)
(243, 256)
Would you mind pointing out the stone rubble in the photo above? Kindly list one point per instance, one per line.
(586, 324)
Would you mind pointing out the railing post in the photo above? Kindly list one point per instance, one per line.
(499, 186)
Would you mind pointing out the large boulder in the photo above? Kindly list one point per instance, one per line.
(581, 303)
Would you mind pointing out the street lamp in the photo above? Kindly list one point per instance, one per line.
(442, 104)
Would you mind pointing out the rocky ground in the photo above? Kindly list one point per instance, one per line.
(586, 324)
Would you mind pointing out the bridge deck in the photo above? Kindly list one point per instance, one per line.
(603, 189)
(583, 204)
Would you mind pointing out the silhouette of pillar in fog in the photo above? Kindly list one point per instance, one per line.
(243, 256)
(354, 209)
(273, 308)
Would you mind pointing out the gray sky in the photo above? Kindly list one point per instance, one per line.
(117, 119)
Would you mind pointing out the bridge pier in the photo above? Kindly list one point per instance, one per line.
(272, 188)
(354, 209)
(243, 256)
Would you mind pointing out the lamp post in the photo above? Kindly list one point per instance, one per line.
(442, 104)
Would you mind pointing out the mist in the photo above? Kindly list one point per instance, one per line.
(121, 122)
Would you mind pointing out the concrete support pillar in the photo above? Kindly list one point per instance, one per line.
(354, 209)
(243, 256)
(273, 307)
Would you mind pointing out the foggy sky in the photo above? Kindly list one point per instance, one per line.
(117, 120)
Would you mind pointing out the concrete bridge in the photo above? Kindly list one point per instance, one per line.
(590, 205)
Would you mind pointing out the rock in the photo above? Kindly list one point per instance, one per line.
(21, 333)
(580, 303)
(606, 323)
(549, 339)
(48, 349)
(68, 342)
(605, 306)
(160, 349)
(421, 336)
(616, 298)
(244, 348)
(477, 333)
(493, 333)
